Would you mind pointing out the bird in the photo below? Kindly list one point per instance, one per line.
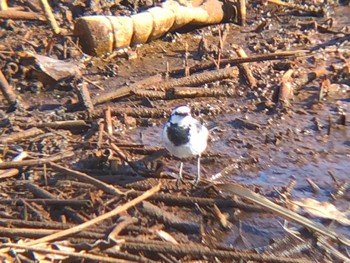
(184, 137)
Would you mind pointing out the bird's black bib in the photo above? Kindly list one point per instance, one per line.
(178, 135)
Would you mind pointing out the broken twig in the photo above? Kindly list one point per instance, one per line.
(35, 162)
(6, 89)
(23, 135)
(50, 17)
(170, 219)
(87, 179)
(244, 68)
(11, 13)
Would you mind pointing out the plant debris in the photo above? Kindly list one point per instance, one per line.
(85, 178)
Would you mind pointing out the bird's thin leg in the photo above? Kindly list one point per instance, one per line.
(179, 179)
(198, 178)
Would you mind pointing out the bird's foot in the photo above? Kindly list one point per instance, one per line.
(195, 182)
(178, 183)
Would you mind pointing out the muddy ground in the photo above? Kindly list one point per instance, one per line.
(281, 132)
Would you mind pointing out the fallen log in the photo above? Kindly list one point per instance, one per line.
(102, 34)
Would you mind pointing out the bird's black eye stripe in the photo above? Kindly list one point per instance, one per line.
(181, 113)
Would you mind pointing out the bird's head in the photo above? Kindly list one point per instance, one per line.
(180, 115)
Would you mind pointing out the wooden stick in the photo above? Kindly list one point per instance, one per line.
(70, 124)
(191, 201)
(190, 92)
(221, 217)
(244, 68)
(193, 80)
(169, 219)
(242, 12)
(85, 78)
(118, 93)
(134, 112)
(78, 255)
(38, 191)
(84, 97)
(3, 5)
(19, 223)
(297, 7)
(108, 121)
(89, 223)
(35, 162)
(199, 78)
(8, 173)
(87, 179)
(153, 94)
(23, 135)
(315, 188)
(286, 89)
(7, 90)
(38, 233)
(67, 202)
(189, 249)
(237, 61)
(121, 226)
(20, 15)
(13, 171)
(126, 90)
(196, 251)
(101, 130)
(50, 17)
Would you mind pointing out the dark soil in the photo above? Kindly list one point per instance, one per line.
(276, 138)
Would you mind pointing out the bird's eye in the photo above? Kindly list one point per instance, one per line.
(181, 113)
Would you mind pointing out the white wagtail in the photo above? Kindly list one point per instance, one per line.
(184, 137)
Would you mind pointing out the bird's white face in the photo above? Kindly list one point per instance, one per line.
(181, 116)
